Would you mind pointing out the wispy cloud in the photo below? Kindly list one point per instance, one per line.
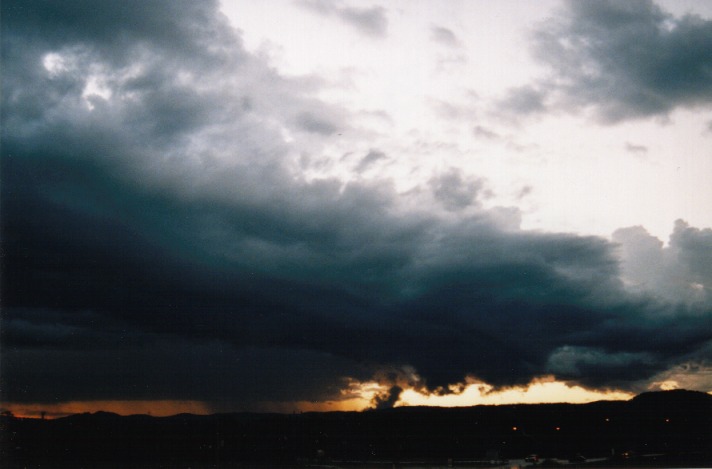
(636, 149)
(370, 21)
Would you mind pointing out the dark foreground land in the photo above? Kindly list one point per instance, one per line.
(664, 429)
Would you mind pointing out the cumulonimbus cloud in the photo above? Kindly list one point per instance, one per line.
(158, 242)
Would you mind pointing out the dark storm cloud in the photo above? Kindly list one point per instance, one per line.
(387, 399)
(158, 245)
(370, 21)
(623, 60)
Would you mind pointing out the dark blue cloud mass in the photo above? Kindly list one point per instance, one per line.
(158, 243)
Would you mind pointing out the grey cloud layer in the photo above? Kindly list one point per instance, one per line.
(158, 243)
(622, 59)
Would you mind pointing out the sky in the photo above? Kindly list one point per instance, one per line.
(298, 205)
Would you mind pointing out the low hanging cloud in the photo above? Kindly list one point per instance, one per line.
(622, 60)
(159, 243)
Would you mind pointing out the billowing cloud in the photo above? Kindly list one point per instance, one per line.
(679, 271)
(623, 60)
(160, 242)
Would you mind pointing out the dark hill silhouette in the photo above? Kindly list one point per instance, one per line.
(675, 396)
(675, 425)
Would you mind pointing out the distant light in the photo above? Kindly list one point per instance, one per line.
(514, 429)
(607, 419)
(667, 420)
(558, 428)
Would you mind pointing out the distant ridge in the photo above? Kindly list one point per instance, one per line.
(676, 395)
(677, 424)
(667, 397)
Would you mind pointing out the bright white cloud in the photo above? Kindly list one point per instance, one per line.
(582, 176)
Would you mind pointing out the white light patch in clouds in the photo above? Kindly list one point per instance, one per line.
(54, 63)
(400, 75)
(433, 98)
(95, 88)
(397, 73)
(95, 84)
(584, 179)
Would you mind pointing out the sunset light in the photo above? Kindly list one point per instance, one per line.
(537, 392)
(155, 408)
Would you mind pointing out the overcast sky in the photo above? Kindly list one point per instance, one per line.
(282, 204)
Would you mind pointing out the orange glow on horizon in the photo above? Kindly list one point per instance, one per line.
(158, 408)
(541, 390)
(357, 396)
(346, 405)
(165, 408)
